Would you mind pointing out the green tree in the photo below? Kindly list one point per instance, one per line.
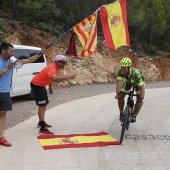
(2, 30)
(136, 20)
(42, 14)
(156, 20)
(164, 42)
(147, 23)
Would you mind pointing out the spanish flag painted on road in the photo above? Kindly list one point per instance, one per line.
(114, 24)
(76, 140)
(87, 34)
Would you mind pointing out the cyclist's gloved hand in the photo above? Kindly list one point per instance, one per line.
(117, 95)
(141, 99)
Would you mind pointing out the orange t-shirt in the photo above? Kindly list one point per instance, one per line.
(43, 78)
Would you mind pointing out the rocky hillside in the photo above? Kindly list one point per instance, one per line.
(99, 68)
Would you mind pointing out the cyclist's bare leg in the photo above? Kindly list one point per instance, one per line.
(137, 107)
(121, 101)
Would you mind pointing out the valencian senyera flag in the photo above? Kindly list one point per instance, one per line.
(87, 34)
(114, 24)
(76, 140)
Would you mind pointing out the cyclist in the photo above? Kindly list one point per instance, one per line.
(127, 77)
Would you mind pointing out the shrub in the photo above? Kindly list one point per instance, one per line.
(2, 29)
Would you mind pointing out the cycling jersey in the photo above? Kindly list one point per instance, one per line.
(136, 77)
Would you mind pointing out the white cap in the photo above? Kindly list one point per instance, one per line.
(60, 57)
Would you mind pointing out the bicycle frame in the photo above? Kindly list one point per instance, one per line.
(127, 113)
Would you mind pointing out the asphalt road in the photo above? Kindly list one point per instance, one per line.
(145, 147)
(24, 109)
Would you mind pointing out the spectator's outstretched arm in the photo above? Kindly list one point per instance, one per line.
(62, 78)
(33, 58)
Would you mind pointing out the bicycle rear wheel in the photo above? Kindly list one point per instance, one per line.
(124, 124)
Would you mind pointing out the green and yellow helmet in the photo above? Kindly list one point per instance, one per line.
(125, 62)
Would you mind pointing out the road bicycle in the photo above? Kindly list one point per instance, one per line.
(126, 120)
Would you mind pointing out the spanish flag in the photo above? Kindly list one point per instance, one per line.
(86, 32)
(114, 24)
(76, 140)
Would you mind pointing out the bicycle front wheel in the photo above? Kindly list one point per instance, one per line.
(124, 124)
(129, 117)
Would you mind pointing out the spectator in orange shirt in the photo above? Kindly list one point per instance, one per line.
(38, 86)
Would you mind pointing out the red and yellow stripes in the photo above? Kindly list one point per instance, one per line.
(114, 24)
(87, 34)
(76, 140)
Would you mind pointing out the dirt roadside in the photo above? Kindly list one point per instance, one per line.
(23, 108)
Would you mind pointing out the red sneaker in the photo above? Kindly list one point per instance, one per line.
(4, 142)
(46, 125)
(46, 131)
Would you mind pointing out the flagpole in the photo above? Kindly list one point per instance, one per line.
(61, 35)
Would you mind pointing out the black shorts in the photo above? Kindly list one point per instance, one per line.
(40, 95)
(5, 102)
(126, 87)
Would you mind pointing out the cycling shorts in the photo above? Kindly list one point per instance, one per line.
(126, 87)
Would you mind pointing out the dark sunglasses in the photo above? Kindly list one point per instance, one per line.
(64, 63)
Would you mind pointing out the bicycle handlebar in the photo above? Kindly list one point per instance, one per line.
(131, 93)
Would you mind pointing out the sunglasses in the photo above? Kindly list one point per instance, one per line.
(64, 63)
